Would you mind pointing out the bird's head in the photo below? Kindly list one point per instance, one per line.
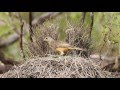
(48, 39)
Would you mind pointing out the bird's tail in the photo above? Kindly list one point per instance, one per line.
(76, 48)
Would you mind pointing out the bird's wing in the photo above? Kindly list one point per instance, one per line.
(63, 44)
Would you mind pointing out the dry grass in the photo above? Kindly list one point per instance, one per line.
(58, 67)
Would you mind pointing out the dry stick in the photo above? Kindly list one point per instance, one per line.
(10, 40)
(30, 25)
(44, 17)
(92, 22)
(83, 17)
(5, 34)
(91, 28)
(21, 35)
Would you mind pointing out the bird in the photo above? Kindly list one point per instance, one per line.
(61, 47)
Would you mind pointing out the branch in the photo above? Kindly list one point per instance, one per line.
(10, 40)
(44, 17)
(21, 35)
(92, 22)
(83, 17)
(30, 25)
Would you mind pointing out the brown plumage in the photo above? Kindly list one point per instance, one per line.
(60, 47)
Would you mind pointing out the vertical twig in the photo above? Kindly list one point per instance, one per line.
(90, 31)
(21, 34)
(30, 25)
(92, 22)
(83, 17)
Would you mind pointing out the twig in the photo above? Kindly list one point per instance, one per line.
(44, 17)
(83, 17)
(10, 40)
(21, 35)
(92, 22)
(30, 25)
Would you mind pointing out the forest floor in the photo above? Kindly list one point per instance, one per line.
(59, 67)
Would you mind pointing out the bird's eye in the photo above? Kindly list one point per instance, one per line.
(46, 38)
